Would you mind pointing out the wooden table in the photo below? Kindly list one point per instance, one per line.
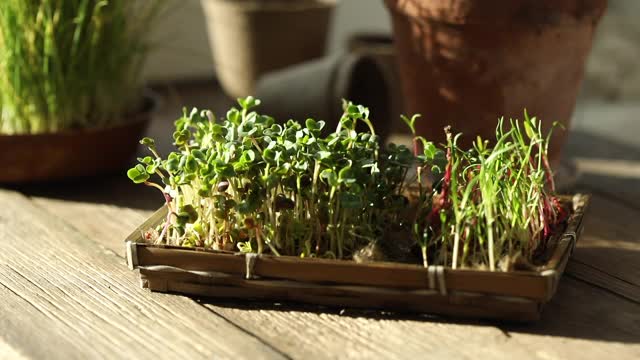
(66, 292)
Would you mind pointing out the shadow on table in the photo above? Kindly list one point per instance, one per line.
(114, 189)
(583, 311)
(577, 311)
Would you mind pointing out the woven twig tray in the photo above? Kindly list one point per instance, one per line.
(516, 295)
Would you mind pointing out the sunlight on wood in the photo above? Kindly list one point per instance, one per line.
(7, 352)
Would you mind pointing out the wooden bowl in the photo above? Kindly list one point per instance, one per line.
(74, 153)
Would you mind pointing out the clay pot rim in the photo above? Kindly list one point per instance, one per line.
(502, 12)
(277, 5)
(151, 102)
(368, 40)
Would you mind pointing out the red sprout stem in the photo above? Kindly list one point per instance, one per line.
(167, 199)
(549, 174)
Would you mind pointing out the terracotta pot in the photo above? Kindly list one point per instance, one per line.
(252, 37)
(468, 62)
(316, 88)
(67, 154)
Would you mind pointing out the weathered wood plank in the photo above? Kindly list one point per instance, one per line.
(65, 297)
(9, 353)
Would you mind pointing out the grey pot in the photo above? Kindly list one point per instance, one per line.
(252, 37)
(315, 89)
(380, 47)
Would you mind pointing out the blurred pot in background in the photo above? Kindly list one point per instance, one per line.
(380, 48)
(315, 89)
(252, 37)
(469, 62)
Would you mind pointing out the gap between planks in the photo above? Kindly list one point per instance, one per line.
(593, 276)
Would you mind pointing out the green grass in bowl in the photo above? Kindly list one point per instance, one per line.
(68, 64)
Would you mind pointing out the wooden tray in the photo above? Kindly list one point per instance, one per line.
(517, 295)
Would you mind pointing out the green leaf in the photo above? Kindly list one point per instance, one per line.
(311, 124)
(181, 137)
(191, 211)
(224, 170)
(172, 164)
(248, 102)
(330, 176)
(429, 149)
(191, 164)
(234, 116)
(249, 156)
(147, 160)
(353, 110)
(274, 130)
(217, 129)
(528, 130)
(411, 123)
(346, 174)
(229, 204)
(199, 155)
(364, 112)
(269, 155)
(147, 141)
(314, 126)
(346, 122)
(138, 174)
(150, 169)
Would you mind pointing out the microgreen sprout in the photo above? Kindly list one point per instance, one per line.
(493, 202)
(248, 183)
